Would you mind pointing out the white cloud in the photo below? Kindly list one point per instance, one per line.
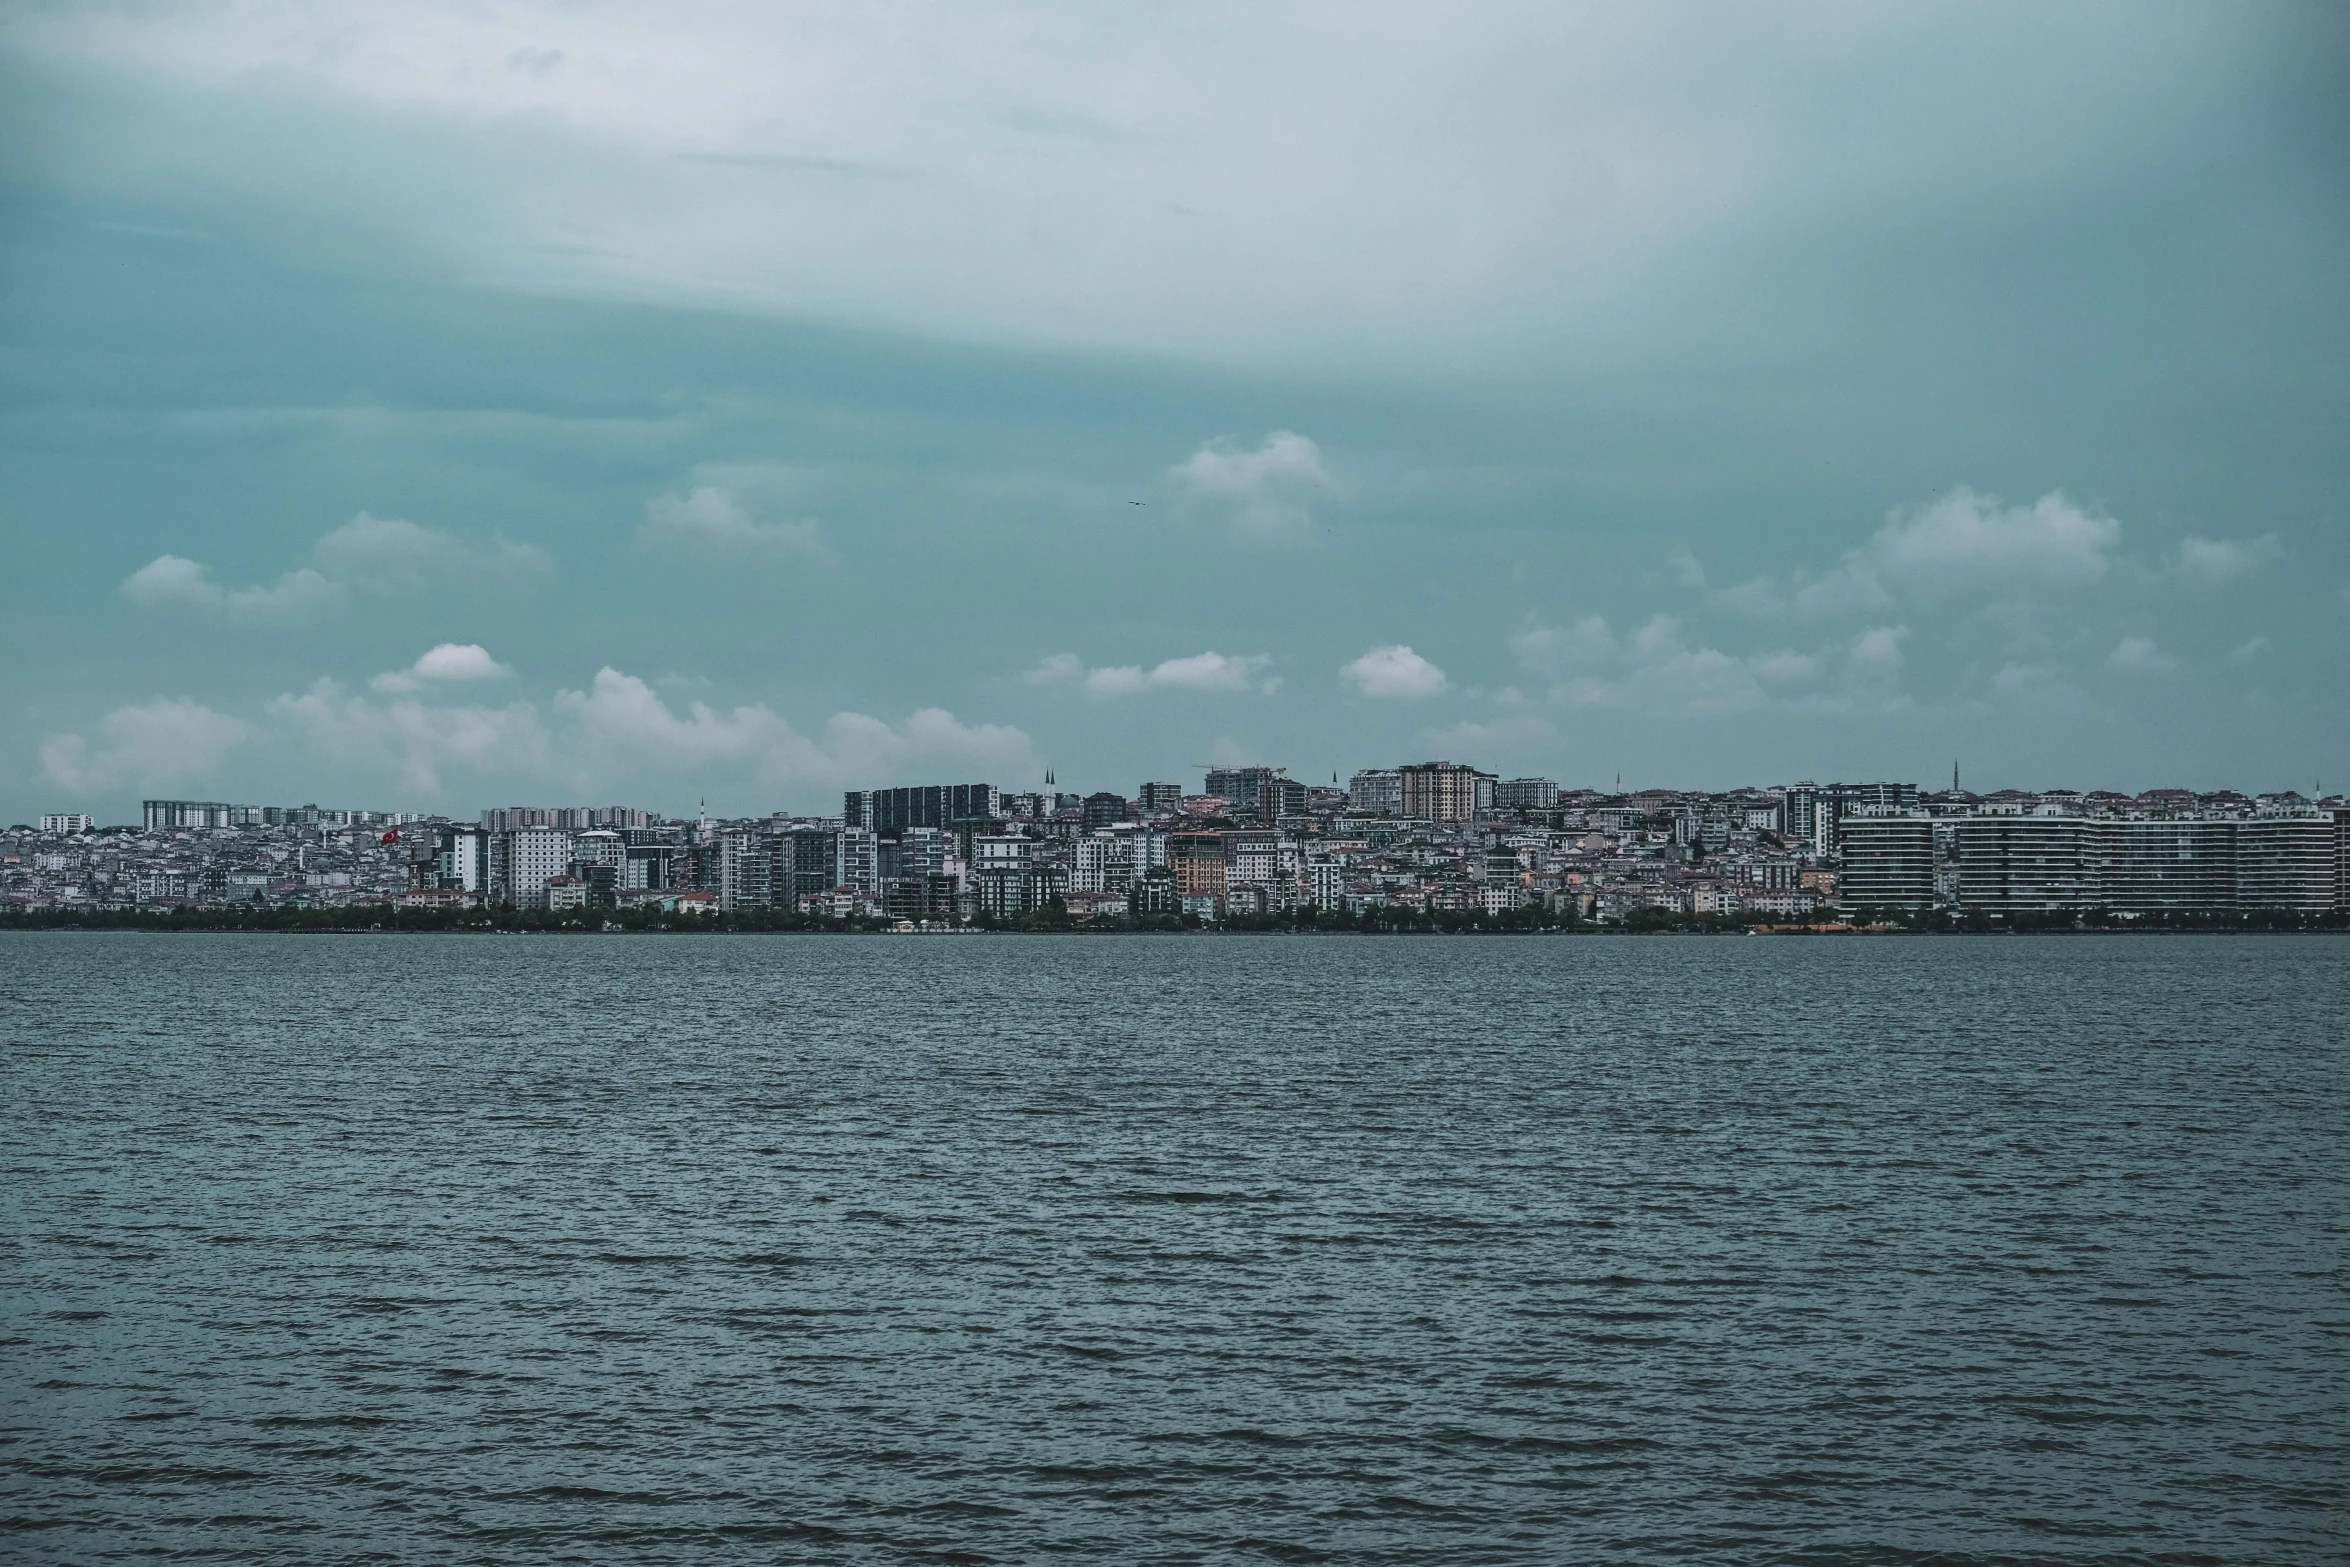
(712, 518)
(412, 741)
(1057, 669)
(1964, 544)
(1655, 668)
(449, 661)
(1394, 673)
(459, 661)
(1967, 541)
(1266, 492)
(2139, 656)
(2216, 560)
(1117, 680)
(152, 744)
(170, 580)
(1209, 671)
(385, 554)
(2246, 652)
(367, 554)
(623, 723)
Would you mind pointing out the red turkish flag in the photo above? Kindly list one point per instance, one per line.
(390, 837)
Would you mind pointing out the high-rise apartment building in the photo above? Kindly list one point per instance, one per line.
(921, 805)
(461, 856)
(1443, 791)
(1197, 859)
(1161, 796)
(532, 856)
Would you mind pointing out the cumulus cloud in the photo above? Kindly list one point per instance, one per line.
(1267, 493)
(2139, 656)
(1394, 673)
(414, 741)
(2217, 560)
(174, 580)
(151, 744)
(1963, 544)
(1210, 671)
(368, 554)
(712, 518)
(2246, 652)
(1970, 541)
(449, 661)
(1654, 667)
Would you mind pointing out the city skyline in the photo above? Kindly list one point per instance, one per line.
(454, 405)
(1415, 845)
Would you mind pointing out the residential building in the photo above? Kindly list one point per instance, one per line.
(1376, 791)
(1443, 792)
(533, 856)
(1525, 794)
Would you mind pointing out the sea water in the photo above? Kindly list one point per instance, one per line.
(1175, 1249)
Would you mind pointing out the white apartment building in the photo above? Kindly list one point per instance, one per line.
(534, 856)
(1377, 790)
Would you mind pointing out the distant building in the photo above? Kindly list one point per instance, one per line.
(1889, 862)
(461, 856)
(1161, 796)
(1376, 791)
(1261, 793)
(2010, 859)
(1444, 791)
(1197, 860)
(66, 824)
(1001, 886)
(172, 815)
(922, 805)
(1251, 858)
(1525, 794)
(533, 856)
(1809, 812)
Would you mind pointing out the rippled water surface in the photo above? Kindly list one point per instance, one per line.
(628, 1249)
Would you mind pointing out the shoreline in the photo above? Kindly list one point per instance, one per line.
(341, 923)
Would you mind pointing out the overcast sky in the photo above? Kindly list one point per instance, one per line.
(429, 407)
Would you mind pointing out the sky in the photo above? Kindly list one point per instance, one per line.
(443, 406)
